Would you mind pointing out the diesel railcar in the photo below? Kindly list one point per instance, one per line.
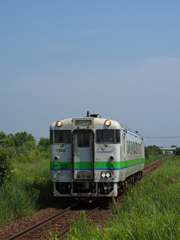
(93, 157)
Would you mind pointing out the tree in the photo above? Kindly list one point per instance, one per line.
(2, 135)
(6, 141)
(43, 144)
(22, 138)
(153, 150)
(177, 151)
(146, 153)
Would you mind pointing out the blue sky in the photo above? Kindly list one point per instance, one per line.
(60, 59)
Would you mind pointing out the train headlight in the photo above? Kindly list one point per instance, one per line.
(107, 123)
(103, 175)
(56, 158)
(111, 158)
(107, 175)
(59, 124)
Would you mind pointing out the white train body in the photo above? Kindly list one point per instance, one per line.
(93, 157)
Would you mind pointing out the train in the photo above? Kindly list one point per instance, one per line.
(92, 157)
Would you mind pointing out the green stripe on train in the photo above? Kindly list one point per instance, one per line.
(118, 164)
(60, 165)
(97, 165)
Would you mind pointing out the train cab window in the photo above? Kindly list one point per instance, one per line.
(117, 136)
(108, 136)
(83, 139)
(60, 136)
(51, 137)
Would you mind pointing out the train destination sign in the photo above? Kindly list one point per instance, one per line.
(83, 122)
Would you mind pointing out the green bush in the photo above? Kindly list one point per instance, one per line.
(177, 151)
(31, 156)
(5, 168)
(29, 189)
(146, 153)
(44, 144)
(152, 150)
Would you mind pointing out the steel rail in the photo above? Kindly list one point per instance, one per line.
(34, 226)
(88, 215)
(152, 166)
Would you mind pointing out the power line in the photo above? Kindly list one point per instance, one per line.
(164, 137)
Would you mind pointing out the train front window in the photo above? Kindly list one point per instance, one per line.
(61, 136)
(108, 136)
(83, 139)
(117, 136)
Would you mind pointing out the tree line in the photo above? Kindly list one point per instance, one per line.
(23, 139)
(155, 150)
(152, 150)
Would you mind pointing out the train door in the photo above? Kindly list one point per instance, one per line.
(83, 155)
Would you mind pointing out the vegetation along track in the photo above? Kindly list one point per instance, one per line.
(151, 167)
(61, 221)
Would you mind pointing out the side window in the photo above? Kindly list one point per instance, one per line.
(131, 147)
(134, 146)
(123, 143)
(127, 147)
(140, 148)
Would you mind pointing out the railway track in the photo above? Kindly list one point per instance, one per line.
(89, 215)
(151, 167)
(30, 229)
(61, 222)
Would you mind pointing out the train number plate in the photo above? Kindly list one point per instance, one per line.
(60, 150)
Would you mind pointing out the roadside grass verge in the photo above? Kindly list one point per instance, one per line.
(151, 211)
(28, 189)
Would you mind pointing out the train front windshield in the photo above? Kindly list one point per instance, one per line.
(60, 136)
(102, 136)
(108, 136)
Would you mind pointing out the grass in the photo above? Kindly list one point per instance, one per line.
(27, 190)
(151, 211)
(153, 158)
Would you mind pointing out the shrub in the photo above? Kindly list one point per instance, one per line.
(44, 144)
(5, 168)
(177, 151)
